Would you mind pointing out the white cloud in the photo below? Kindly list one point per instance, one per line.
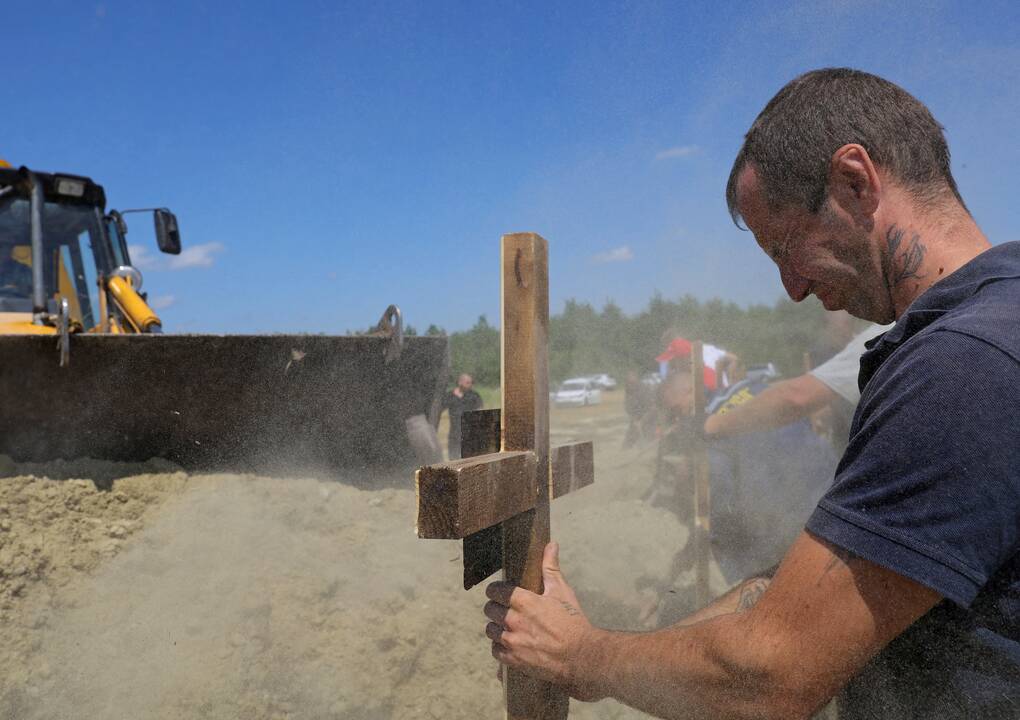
(675, 153)
(192, 256)
(195, 256)
(162, 302)
(142, 258)
(620, 254)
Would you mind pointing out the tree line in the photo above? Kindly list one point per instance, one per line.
(583, 340)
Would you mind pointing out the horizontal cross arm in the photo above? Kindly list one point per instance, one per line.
(462, 497)
(573, 467)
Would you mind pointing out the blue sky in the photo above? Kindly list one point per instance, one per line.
(326, 159)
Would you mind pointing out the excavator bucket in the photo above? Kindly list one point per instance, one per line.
(239, 402)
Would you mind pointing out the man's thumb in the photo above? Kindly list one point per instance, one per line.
(551, 575)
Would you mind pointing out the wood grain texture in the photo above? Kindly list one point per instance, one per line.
(483, 550)
(700, 469)
(525, 374)
(464, 496)
(573, 467)
(479, 432)
(525, 392)
(483, 555)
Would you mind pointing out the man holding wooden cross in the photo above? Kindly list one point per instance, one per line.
(901, 595)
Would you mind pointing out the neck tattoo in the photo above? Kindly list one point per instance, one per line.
(904, 258)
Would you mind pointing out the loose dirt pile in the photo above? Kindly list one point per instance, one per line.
(56, 527)
(161, 595)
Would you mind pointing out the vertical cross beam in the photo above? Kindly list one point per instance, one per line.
(700, 471)
(525, 426)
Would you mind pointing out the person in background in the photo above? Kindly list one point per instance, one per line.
(839, 329)
(638, 402)
(764, 484)
(722, 368)
(833, 384)
(458, 401)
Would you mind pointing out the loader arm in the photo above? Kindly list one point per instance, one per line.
(131, 305)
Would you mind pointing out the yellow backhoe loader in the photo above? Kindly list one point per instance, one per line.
(86, 371)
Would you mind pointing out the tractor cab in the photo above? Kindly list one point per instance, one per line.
(63, 259)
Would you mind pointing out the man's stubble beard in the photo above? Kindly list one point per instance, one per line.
(868, 298)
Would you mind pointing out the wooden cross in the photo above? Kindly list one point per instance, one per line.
(498, 501)
(701, 475)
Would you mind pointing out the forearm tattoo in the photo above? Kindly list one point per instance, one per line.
(906, 264)
(751, 593)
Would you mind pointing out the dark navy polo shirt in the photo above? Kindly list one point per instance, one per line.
(929, 487)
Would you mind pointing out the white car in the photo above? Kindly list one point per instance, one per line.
(603, 381)
(577, 392)
(652, 379)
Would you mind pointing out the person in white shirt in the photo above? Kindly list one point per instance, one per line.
(789, 400)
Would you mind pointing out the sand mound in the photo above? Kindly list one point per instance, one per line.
(225, 596)
(55, 528)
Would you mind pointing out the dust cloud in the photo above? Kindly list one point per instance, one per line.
(225, 596)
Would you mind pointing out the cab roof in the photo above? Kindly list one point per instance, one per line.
(63, 188)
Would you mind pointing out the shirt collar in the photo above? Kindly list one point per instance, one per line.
(997, 263)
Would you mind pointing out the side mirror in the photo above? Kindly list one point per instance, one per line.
(168, 236)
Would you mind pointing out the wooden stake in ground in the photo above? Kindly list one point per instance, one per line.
(498, 502)
(700, 473)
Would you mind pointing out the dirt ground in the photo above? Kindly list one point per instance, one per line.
(140, 591)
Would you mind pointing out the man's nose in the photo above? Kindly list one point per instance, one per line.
(796, 286)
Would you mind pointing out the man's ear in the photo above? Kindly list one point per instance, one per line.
(854, 183)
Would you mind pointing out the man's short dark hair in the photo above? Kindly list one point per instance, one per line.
(792, 140)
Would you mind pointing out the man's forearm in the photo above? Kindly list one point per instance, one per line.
(823, 616)
(691, 669)
(709, 669)
(779, 404)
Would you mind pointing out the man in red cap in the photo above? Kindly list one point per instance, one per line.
(720, 366)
